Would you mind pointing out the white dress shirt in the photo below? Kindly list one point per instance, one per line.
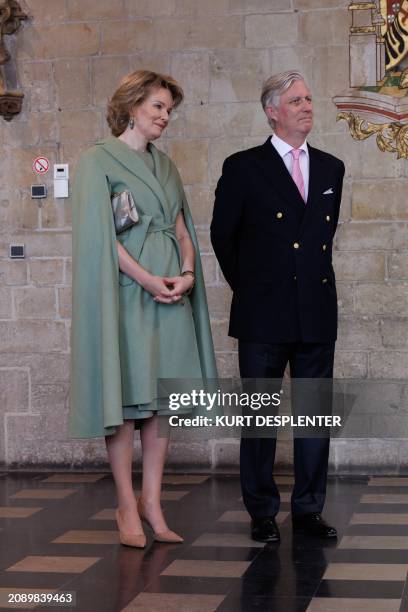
(284, 149)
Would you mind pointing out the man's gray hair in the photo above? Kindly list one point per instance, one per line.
(276, 85)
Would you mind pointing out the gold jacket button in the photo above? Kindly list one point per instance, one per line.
(324, 247)
(324, 280)
(279, 215)
(328, 218)
(296, 245)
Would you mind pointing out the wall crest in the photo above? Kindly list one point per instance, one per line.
(377, 101)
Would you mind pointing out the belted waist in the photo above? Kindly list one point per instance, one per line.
(169, 231)
(162, 228)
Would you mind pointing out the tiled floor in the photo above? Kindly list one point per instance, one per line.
(58, 534)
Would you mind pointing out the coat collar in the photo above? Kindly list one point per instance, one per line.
(283, 147)
(275, 171)
(136, 165)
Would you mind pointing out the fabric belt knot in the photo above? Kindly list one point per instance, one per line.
(162, 228)
(169, 231)
(297, 172)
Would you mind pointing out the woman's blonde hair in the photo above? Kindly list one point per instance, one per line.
(133, 89)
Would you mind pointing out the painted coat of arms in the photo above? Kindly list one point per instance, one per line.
(377, 101)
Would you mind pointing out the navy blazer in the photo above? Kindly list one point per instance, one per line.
(274, 250)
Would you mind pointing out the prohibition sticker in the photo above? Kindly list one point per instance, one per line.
(41, 165)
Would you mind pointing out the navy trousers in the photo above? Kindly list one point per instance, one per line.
(257, 455)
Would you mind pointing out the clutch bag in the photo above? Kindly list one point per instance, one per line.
(124, 210)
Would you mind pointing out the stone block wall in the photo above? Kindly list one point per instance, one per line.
(68, 60)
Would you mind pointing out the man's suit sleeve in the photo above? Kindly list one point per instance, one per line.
(227, 216)
(339, 189)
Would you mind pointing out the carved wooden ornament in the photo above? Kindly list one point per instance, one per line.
(11, 17)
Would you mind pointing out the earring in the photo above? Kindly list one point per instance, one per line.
(131, 123)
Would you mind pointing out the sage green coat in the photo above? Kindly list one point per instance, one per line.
(122, 340)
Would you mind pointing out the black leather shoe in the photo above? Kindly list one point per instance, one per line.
(265, 529)
(314, 524)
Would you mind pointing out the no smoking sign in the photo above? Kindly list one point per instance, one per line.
(41, 165)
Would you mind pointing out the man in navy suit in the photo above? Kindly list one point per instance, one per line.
(275, 215)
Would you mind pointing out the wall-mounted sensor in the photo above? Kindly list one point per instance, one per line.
(61, 176)
(17, 251)
(38, 192)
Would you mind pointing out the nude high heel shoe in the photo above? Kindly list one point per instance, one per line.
(137, 540)
(167, 536)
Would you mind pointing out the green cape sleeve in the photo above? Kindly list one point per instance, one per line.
(198, 299)
(96, 401)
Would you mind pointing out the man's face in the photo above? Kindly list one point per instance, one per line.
(294, 114)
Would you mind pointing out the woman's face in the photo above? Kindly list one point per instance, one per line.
(152, 116)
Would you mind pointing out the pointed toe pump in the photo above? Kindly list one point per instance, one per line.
(137, 540)
(167, 536)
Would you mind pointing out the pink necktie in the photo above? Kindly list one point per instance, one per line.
(297, 173)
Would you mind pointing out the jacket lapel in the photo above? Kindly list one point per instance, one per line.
(135, 164)
(317, 180)
(276, 173)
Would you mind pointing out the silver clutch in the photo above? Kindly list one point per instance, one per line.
(124, 210)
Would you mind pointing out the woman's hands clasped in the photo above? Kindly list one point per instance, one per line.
(168, 290)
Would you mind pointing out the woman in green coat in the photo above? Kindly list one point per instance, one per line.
(139, 306)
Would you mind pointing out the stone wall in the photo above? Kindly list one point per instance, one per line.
(69, 58)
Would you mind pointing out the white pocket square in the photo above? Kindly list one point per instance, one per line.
(328, 191)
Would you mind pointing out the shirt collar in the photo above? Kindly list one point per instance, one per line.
(283, 147)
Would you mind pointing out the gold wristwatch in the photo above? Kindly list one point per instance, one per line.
(189, 273)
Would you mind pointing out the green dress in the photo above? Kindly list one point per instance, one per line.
(122, 340)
